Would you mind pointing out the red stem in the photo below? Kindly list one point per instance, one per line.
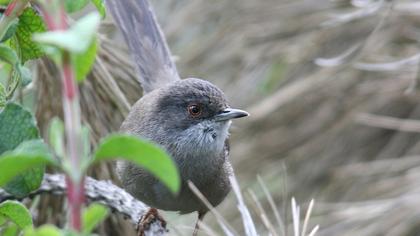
(48, 20)
(56, 20)
(10, 8)
(76, 198)
(75, 192)
(69, 85)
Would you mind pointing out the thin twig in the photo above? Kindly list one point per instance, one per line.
(227, 229)
(263, 215)
(386, 122)
(355, 52)
(248, 223)
(366, 11)
(314, 230)
(296, 217)
(272, 205)
(307, 216)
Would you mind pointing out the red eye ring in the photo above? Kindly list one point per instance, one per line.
(194, 110)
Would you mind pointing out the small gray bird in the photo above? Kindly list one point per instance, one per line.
(189, 118)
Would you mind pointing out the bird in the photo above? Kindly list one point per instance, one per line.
(189, 118)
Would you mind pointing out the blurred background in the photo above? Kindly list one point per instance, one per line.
(332, 88)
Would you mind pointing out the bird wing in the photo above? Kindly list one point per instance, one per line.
(137, 22)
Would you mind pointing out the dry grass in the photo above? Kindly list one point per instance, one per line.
(305, 70)
(270, 226)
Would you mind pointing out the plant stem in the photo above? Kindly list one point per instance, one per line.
(76, 198)
(55, 17)
(13, 10)
(72, 121)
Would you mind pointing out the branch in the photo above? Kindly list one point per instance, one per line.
(103, 192)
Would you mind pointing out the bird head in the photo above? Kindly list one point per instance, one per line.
(193, 115)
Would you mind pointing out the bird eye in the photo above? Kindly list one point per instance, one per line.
(194, 110)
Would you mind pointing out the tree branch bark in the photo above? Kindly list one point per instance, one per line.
(103, 192)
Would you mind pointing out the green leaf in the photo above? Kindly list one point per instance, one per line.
(25, 75)
(16, 125)
(92, 216)
(77, 39)
(13, 82)
(11, 30)
(29, 23)
(142, 153)
(21, 73)
(2, 96)
(75, 5)
(100, 6)
(21, 185)
(56, 136)
(17, 213)
(22, 168)
(55, 54)
(8, 55)
(10, 230)
(83, 62)
(2, 220)
(45, 230)
(85, 136)
(5, 72)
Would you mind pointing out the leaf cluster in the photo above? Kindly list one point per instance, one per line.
(23, 153)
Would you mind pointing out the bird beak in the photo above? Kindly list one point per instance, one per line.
(230, 113)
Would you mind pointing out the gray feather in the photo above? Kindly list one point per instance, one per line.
(199, 147)
(136, 20)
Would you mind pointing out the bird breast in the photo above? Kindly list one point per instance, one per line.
(199, 150)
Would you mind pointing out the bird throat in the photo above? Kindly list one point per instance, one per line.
(200, 150)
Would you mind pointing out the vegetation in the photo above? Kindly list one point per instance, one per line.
(332, 88)
(29, 30)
